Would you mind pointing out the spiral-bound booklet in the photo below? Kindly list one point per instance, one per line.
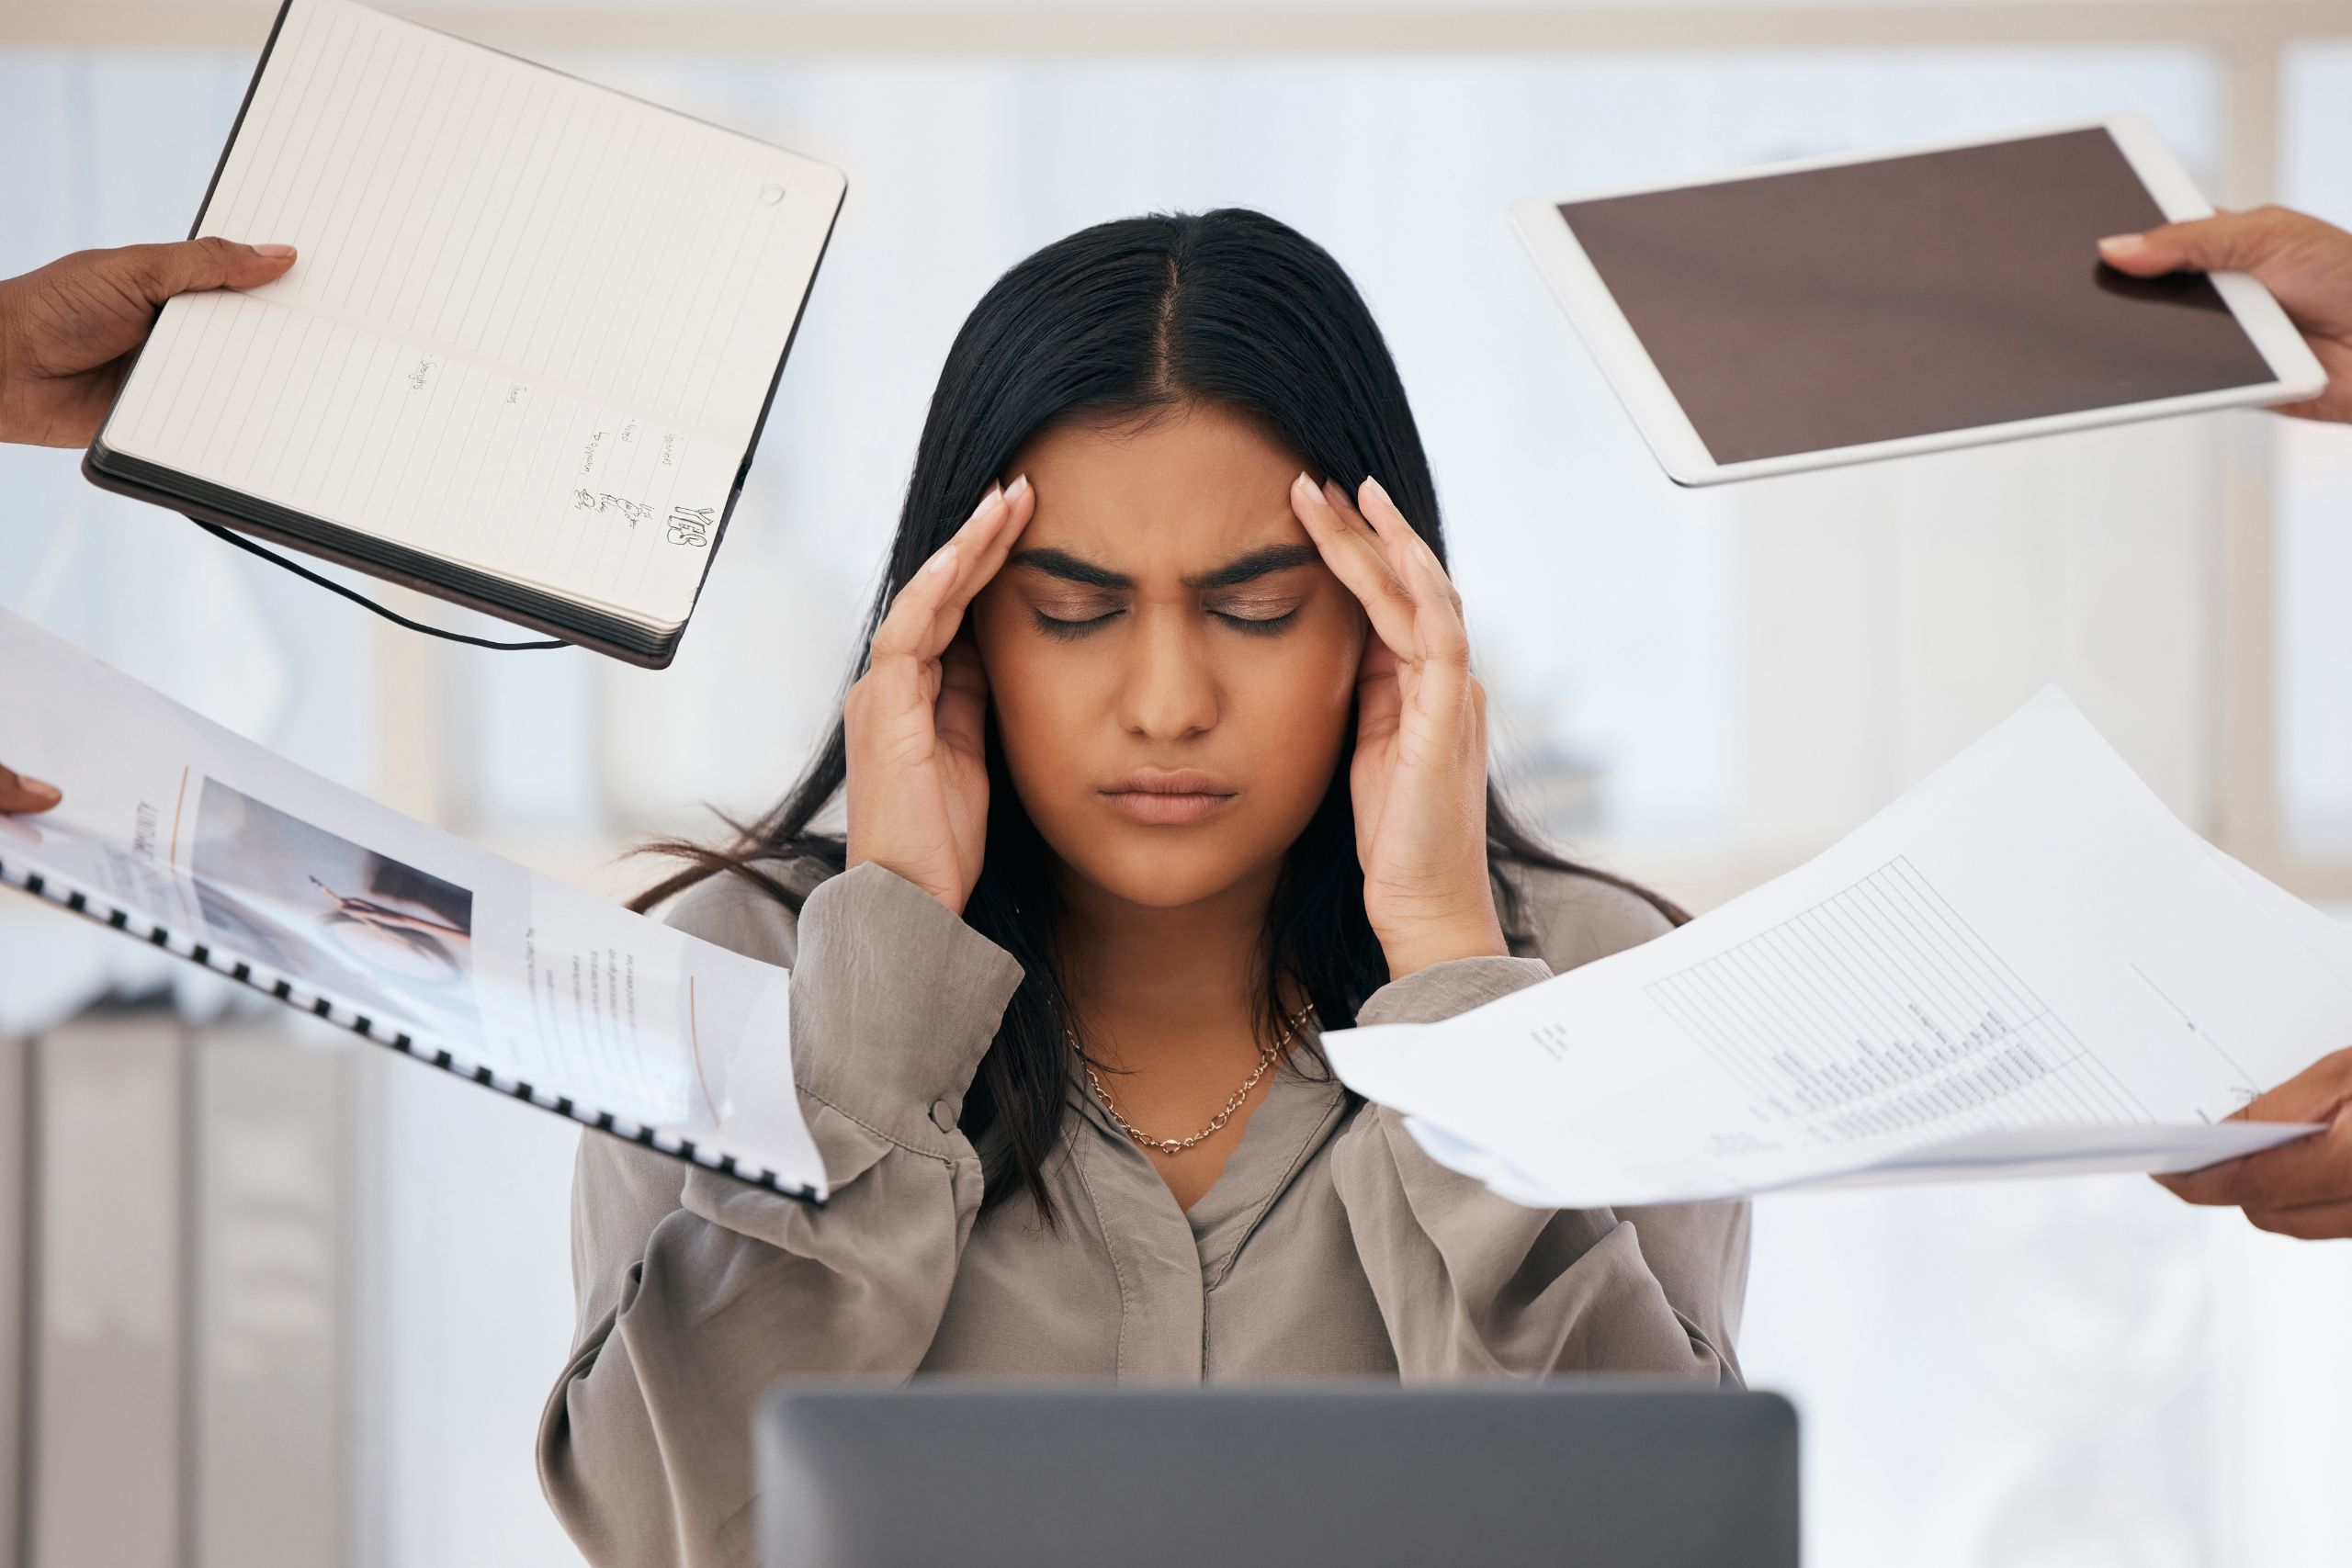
(179, 834)
(524, 351)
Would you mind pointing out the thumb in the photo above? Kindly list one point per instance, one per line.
(158, 272)
(2228, 241)
(20, 793)
(2319, 1093)
(961, 715)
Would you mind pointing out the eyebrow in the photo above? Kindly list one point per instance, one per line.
(1051, 562)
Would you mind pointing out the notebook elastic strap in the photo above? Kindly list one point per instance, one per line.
(230, 536)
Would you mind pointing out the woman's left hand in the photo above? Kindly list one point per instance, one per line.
(1419, 777)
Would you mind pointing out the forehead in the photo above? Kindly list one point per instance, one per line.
(1180, 492)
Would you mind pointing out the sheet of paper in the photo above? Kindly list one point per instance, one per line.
(2024, 966)
(246, 860)
(531, 326)
(2329, 940)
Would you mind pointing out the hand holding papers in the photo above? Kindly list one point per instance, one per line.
(2305, 1188)
(2024, 966)
(180, 833)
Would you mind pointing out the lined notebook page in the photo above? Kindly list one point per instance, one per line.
(530, 327)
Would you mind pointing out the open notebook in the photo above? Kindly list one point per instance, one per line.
(525, 349)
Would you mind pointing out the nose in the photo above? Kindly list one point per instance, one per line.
(1167, 691)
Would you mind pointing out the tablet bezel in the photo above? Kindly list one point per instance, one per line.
(1593, 311)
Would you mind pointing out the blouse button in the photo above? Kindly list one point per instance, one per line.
(942, 1116)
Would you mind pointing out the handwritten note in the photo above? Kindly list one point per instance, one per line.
(515, 290)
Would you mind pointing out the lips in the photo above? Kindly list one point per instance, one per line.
(1167, 796)
(1168, 780)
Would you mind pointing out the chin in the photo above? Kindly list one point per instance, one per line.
(1158, 868)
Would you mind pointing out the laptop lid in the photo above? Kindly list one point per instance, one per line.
(976, 1474)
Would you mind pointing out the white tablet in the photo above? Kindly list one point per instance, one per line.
(1839, 309)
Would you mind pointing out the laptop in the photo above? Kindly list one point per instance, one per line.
(979, 1474)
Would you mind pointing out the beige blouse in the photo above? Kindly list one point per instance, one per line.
(1330, 1245)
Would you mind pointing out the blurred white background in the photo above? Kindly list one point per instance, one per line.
(1697, 688)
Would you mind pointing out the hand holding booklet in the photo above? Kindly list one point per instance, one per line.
(2024, 966)
(178, 832)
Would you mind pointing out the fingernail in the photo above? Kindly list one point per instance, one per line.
(1305, 486)
(1378, 490)
(2123, 244)
(46, 793)
(1019, 488)
(273, 251)
(943, 561)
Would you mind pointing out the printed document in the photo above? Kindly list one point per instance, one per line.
(2024, 966)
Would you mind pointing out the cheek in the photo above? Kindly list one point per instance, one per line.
(1308, 681)
(1033, 696)
(1292, 699)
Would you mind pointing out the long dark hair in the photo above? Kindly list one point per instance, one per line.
(1115, 322)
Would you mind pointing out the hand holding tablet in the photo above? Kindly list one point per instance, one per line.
(1840, 310)
(2305, 264)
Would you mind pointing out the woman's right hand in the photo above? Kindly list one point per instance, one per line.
(917, 787)
(20, 794)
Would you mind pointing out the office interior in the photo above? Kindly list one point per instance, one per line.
(270, 1298)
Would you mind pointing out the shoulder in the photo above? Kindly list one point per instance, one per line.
(1574, 917)
(732, 911)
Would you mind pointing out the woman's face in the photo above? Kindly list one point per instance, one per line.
(1170, 663)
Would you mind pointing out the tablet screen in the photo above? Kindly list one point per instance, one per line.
(1908, 295)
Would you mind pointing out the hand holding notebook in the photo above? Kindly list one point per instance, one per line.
(186, 836)
(68, 331)
(527, 347)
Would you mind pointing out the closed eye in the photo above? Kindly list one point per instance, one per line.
(1259, 623)
(1068, 628)
(1251, 620)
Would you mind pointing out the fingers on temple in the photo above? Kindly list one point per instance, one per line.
(924, 614)
(1355, 555)
(1020, 505)
(1436, 607)
(1344, 504)
(1383, 513)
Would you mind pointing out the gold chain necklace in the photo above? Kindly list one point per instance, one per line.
(1266, 1059)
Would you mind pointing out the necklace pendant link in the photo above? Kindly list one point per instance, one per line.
(1174, 1146)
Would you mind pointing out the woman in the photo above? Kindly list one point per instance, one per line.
(1165, 759)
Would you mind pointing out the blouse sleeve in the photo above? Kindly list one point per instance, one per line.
(1471, 1284)
(696, 1291)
